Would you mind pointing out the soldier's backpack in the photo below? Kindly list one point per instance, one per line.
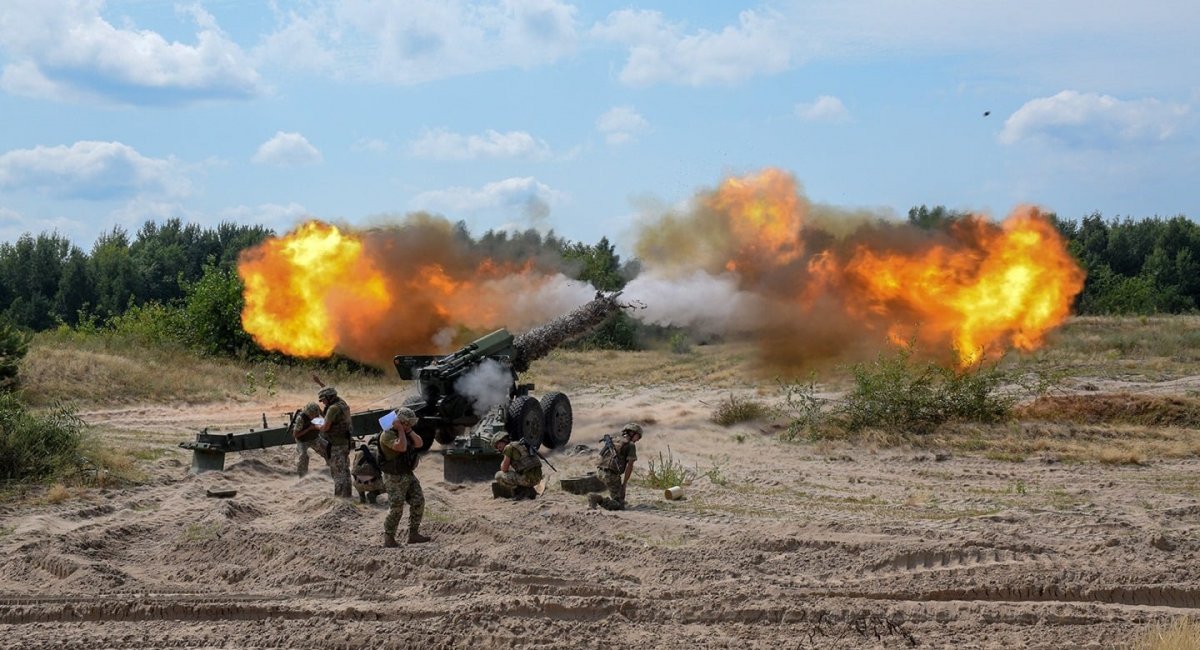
(365, 467)
(610, 454)
(528, 460)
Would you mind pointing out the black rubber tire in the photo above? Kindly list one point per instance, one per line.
(557, 420)
(524, 420)
(446, 435)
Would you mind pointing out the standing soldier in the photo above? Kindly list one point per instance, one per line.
(337, 431)
(307, 436)
(616, 466)
(398, 447)
(520, 470)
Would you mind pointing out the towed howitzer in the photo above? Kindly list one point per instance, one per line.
(209, 448)
(463, 424)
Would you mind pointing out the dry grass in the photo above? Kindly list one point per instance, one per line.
(94, 370)
(1183, 634)
(726, 365)
(57, 493)
(1097, 408)
(1158, 347)
(1104, 427)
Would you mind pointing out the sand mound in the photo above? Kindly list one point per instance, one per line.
(776, 545)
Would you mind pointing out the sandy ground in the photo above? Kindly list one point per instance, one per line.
(777, 545)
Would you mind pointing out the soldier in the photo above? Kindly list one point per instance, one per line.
(337, 431)
(520, 470)
(398, 450)
(616, 466)
(307, 437)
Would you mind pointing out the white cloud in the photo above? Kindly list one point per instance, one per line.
(422, 40)
(90, 170)
(287, 150)
(373, 145)
(1090, 119)
(65, 49)
(14, 224)
(280, 218)
(660, 52)
(532, 198)
(823, 109)
(621, 124)
(440, 144)
(1024, 38)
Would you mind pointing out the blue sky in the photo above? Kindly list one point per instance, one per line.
(579, 117)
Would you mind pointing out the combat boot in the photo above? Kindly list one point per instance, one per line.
(594, 500)
(417, 538)
(389, 540)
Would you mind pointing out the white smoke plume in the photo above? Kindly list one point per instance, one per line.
(707, 303)
(487, 386)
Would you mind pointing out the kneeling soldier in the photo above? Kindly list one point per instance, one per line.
(520, 470)
(398, 447)
(616, 466)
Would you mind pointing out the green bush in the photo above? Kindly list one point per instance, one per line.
(900, 394)
(680, 343)
(668, 472)
(14, 344)
(37, 447)
(897, 393)
(153, 323)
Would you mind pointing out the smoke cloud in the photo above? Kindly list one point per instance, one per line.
(754, 257)
(487, 386)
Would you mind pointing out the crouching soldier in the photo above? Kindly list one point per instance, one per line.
(616, 466)
(365, 472)
(308, 436)
(520, 471)
(398, 458)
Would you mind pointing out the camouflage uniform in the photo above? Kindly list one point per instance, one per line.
(337, 416)
(516, 453)
(309, 440)
(401, 488)
(613, 478)
(368, 480)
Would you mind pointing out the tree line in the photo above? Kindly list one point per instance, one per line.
(1143, 266)
(175, 281)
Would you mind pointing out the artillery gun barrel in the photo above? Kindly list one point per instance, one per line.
(538, 342)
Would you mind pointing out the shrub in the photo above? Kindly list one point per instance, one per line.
(680, 343)
(668, 472)
(14, 344)
(897, 393)
(37, 447)
(737, 409)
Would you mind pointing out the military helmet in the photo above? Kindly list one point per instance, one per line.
(632, 428)
(311, 410)
(405, 415)
(501, 436)
(327, 393)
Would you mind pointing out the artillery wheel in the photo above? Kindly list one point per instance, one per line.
(525, 420)
(557, 420)
(446, 435)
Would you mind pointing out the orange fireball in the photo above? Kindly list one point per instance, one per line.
(295, 285)
(996, 287)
